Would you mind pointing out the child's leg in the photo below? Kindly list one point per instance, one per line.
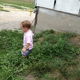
(24, 54)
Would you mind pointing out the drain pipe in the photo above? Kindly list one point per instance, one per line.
(36, 11)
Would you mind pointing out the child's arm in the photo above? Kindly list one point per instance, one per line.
(26, 47)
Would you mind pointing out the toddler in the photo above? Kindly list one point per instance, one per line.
(27, 39)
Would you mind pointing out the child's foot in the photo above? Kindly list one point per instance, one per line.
(24, 56)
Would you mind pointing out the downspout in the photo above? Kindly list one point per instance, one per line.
(36, 11)
(36, 17)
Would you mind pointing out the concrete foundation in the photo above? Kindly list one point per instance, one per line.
(50, 19)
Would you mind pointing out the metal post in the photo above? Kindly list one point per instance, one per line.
(36, 16)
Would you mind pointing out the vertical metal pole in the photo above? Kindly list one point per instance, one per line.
(36, 17)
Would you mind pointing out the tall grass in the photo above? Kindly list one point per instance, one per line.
(26, 3)
(2, 9)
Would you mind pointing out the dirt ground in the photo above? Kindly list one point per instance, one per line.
(76, 40)
(12, 19)
(29, 77)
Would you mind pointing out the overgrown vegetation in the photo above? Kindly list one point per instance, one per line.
(53, 57)
(2, 9)
(25, 3)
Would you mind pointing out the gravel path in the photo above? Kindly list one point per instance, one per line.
(12, 19)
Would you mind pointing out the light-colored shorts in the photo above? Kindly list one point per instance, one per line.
(25, 53)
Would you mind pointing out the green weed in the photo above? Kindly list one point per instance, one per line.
(26, 3)
(50, 53)
(1, 9)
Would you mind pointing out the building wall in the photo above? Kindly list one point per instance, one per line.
(50, 19)
(45, 3)
(69, 6)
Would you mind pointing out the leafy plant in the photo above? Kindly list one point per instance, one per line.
(51, 52)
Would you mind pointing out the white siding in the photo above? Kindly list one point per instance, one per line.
(79, 4)
(35, 2)
(46, 3)
(70, 6)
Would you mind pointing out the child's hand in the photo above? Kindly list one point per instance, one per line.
(23, 50)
